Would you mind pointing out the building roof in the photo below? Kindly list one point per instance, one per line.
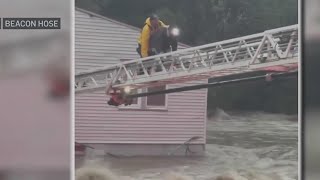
(118, 22)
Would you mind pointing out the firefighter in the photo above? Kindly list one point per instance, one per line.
(152, 25)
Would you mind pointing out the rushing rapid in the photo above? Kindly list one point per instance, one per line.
(242, 146)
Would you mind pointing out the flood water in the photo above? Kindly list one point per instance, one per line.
(243, 145)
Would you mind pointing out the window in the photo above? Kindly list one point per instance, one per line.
(135, 100)
(152, 102)
(158, 100)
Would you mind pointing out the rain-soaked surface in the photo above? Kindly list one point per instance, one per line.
(256, 145)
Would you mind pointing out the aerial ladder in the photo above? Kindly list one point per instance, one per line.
(270, 50)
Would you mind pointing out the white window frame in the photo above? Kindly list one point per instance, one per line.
(150, 107)
(142, 104)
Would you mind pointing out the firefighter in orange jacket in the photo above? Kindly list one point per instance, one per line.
(152, 25)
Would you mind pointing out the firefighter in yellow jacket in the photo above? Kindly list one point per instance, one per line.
(151, 25)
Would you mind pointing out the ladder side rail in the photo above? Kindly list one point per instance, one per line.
(262, 44)
(184, 77)
(292, 28)
(184, 50)
(202, 53)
